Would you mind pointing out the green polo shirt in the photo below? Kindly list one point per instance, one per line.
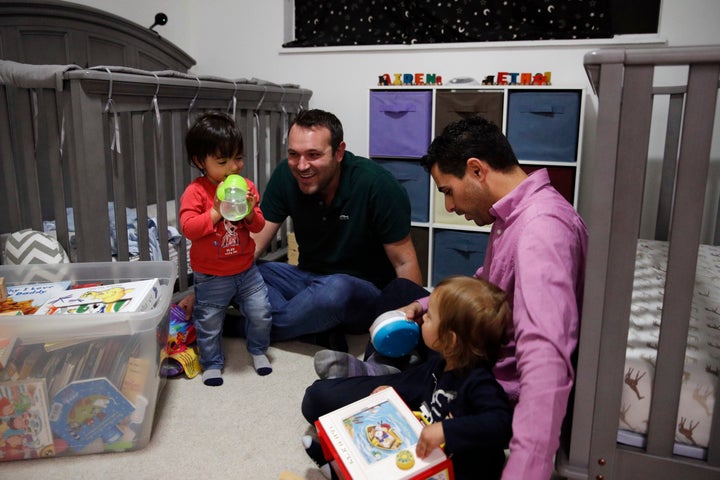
(369, 210)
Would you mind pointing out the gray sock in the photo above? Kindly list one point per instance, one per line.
(212, 377)
(261, 364)
(334, 364)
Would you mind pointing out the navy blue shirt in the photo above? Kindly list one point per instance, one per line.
(370, 209)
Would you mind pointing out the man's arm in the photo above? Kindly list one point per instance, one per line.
(263, 237)
(404, 259)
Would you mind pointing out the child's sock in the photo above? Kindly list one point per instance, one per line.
(261, 364)
(333, 364)
(212, 377)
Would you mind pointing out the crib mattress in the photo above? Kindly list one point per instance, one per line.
(702, 357)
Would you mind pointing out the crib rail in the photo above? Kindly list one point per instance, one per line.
(113, 134)
(627, 102)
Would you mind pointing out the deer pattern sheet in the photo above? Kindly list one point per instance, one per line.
(702, 356)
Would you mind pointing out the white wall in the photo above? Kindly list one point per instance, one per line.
(243, 38)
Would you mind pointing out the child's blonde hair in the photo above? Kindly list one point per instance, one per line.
(479, 314)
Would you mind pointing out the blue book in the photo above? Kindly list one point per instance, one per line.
(85, 410)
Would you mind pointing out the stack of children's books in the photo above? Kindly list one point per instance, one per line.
(375, 437)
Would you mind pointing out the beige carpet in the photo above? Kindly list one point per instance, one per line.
(249, 428)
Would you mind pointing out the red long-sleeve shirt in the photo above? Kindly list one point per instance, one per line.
(223, 248)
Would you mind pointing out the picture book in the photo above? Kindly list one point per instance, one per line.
(24, 423)
(134, 296)
(86, 410)
(375, 437)
(6, 346)
(29, 298)
(136, 378)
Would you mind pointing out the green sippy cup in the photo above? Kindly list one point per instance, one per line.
(232, 194)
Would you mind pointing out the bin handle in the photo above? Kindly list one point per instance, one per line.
(398, 107)
(542, 109)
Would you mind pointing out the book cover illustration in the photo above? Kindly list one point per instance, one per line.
(375, 437)
(86, 410)
(29, 298)
(380, 431)
(24, 423)
(117, 297)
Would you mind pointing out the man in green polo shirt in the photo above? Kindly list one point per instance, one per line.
(351, 220)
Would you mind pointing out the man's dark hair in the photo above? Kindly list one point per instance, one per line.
(213, 133)
(467, 138)
(321, 118)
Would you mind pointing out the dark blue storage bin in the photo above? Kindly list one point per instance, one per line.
(400, 123)
(457, 253)
(416, 181)
(544, 125)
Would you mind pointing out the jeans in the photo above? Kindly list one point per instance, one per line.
(306, 303)
(213, 294)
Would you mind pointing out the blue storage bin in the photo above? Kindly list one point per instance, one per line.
(400, 123)
(416, 181)
(457, 253)
(544, 125)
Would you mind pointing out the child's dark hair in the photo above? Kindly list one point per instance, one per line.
(467, 138)
(213, 133)
(478, 313)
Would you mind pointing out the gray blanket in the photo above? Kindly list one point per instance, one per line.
(33, 76)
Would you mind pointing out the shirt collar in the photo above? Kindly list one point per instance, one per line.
(504, 207)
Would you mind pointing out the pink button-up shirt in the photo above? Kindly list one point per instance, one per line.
(536, 253)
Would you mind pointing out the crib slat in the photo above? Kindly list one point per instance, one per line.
(89, 188)
(120, 172)
(692, 167)
(24, 136)
(667, 184)
(632, 150)
(594, 304)
(163, 168)
(11, 218)
(56, 165)
(181, 178)
(140, 154)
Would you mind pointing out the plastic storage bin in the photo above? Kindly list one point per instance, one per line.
(400, 123)
(92, 378)
(456, 252)
(544, 125)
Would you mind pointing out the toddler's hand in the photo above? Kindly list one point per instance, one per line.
(414, 311)
(252, 200)
(431, 437)
(380, 388)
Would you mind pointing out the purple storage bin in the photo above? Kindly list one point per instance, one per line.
(400, 123)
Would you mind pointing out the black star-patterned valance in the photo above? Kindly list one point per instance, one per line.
(387, 22)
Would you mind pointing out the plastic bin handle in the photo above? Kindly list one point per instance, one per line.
(398, 107)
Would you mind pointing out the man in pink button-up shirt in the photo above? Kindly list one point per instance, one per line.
(536, 253)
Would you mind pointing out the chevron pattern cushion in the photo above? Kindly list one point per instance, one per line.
(29, 246)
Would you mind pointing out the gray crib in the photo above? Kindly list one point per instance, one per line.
(637, 88)
(83, 147)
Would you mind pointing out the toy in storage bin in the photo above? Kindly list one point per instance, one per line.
(85, 382)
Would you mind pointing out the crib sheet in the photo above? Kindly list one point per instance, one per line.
(155, 251)
(702, 357)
